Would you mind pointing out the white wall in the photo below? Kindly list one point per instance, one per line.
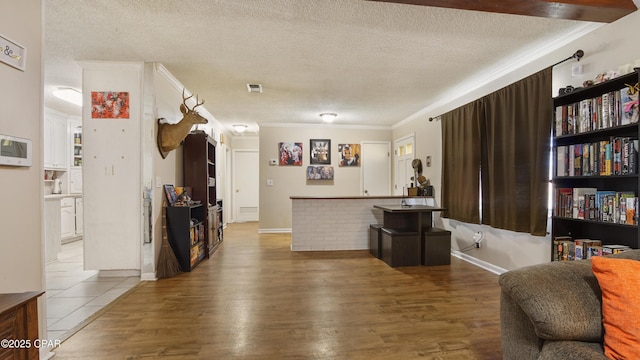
(275, 205)
(112, 170)
(21, 213)
(607, 47)
(21, 253)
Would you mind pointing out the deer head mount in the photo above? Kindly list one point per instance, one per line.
(170, 136)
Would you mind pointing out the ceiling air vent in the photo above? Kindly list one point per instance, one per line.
(256, 88)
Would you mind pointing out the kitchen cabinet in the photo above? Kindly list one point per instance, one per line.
(76, 143)
(79, 216)
(55, 142)
(67, 218)
(52, 231)
(75, 181)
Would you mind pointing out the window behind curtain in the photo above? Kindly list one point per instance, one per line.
(461, 162)
(515, 126)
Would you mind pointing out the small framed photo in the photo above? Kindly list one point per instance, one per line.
(349, 154)
(320, 172)
(171, 195)
(320, 151)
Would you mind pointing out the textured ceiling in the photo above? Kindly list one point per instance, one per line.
(372, 63)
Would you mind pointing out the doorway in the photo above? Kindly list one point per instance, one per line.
(404, 153)
(246, 185)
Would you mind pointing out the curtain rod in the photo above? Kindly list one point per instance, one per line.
(576, 55)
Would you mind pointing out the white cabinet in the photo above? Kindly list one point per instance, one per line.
(55, 142)
(53, 244)
(79, 217)
(75, 181)
(76, 143)
(67, 217)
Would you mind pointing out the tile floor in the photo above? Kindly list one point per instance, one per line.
(75, 295)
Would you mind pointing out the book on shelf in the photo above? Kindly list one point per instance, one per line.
(618, 207)
(629, 105)
(631, 215)
(610, 109)
(563, 202)
(561, 245)
(579, 201)
(582, 248)
(614, 249)
(616, 156)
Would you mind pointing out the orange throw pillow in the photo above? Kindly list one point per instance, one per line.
(619, 280)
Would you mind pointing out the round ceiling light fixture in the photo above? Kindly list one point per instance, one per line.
(239, 128)
(328, 117)
(69, 94)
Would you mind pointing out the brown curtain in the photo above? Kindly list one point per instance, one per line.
(516, 135)
(461, 163)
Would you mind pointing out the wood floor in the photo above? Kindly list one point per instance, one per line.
(255, 299)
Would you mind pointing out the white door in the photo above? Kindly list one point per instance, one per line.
(376, 168)
(404, 153)
(245, 185)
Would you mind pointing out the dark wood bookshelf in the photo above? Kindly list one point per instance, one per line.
(199, 165)
(609, 233)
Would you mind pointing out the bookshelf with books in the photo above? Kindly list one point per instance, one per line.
(199, 161)
(186, 232)
(595, 169)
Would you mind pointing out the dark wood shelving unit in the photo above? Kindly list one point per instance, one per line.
(186, 230)
(199, 162)
(609, 233)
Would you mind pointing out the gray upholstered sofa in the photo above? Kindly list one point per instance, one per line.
(553, 311)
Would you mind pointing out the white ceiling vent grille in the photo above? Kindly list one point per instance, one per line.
(254, 88)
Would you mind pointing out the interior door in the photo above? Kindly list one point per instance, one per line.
(245, 185)
(404, 153)
(376, 161)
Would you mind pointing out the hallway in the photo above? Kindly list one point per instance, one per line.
(256, 299)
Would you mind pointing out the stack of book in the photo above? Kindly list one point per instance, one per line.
(565, 248)
(616, 156)
(602, 112)
(618, 207)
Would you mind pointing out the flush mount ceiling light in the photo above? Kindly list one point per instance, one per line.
(328, 117)
(68, 94)
(239, 128)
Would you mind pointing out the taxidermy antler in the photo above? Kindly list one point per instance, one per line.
(170, 136)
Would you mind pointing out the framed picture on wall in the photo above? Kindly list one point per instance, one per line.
(109, 105)
(320, 172)
(349, 154)
(290, 153)
(320, 151)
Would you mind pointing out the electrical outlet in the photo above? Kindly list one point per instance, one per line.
(478, 237)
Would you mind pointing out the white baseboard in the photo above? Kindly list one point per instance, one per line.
(148, 277)
(275, 231)
(479, 263)
(118, 273)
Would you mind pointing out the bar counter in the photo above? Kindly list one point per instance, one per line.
(339, 223)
